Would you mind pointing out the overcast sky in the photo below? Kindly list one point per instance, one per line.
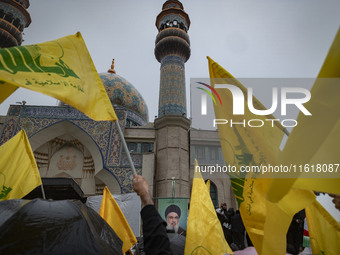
(249, 38)
(262, 38)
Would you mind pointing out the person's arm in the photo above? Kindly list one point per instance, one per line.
(156, 240)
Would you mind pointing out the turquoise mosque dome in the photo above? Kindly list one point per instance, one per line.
(123, 94)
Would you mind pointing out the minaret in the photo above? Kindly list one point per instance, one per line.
(172, 51)
(172, 126)
(13, 19)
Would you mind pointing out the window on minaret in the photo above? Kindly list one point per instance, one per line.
(8, 17)
(16, 22)
(181, 26)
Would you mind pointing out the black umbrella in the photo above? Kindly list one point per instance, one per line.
(54, 227)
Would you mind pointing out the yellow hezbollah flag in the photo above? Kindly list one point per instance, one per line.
(113, 215)
(316, 140)
(324, 230)
(253, 147)
(19, 173)
(62, 69)
(204, 230)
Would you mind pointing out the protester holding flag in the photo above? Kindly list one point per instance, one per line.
(154, 227)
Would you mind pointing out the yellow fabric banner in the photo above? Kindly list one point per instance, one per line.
(204, 230)
(245, 146)
(62, 69)
(208, 185)
(324, 230)
(113, 215)
(19, 173)
(316, 139)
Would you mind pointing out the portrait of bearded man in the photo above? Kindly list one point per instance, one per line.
(172, 216)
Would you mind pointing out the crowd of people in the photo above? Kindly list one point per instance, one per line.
(168, 237)
(233, 227)
(237, 236)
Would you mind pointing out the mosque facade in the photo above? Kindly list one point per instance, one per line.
(68, 144)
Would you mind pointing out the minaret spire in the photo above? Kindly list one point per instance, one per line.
(172, 51)
(172, 125)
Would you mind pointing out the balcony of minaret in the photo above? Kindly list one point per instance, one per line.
(172, 41)
(13, 19)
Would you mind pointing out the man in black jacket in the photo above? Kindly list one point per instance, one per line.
(156, 240)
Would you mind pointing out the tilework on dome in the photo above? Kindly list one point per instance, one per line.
(34, 119)
(121, 92)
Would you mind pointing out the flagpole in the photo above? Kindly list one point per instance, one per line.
(286, 131)
(125, 146)
(42, 191)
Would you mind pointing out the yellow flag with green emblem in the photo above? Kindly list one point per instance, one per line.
(204, 230)
(113, 215)
(62, 69)
(244, 146)
(19, 173)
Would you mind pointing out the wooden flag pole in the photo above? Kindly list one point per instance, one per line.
(126, 149)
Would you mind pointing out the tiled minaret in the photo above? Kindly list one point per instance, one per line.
(172, 51)
(13, 19)
(172, 148)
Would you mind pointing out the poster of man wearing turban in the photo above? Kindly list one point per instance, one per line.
(175, 213)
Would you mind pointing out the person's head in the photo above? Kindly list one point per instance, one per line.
(172, 215)
(224, 206)
(231, 212)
